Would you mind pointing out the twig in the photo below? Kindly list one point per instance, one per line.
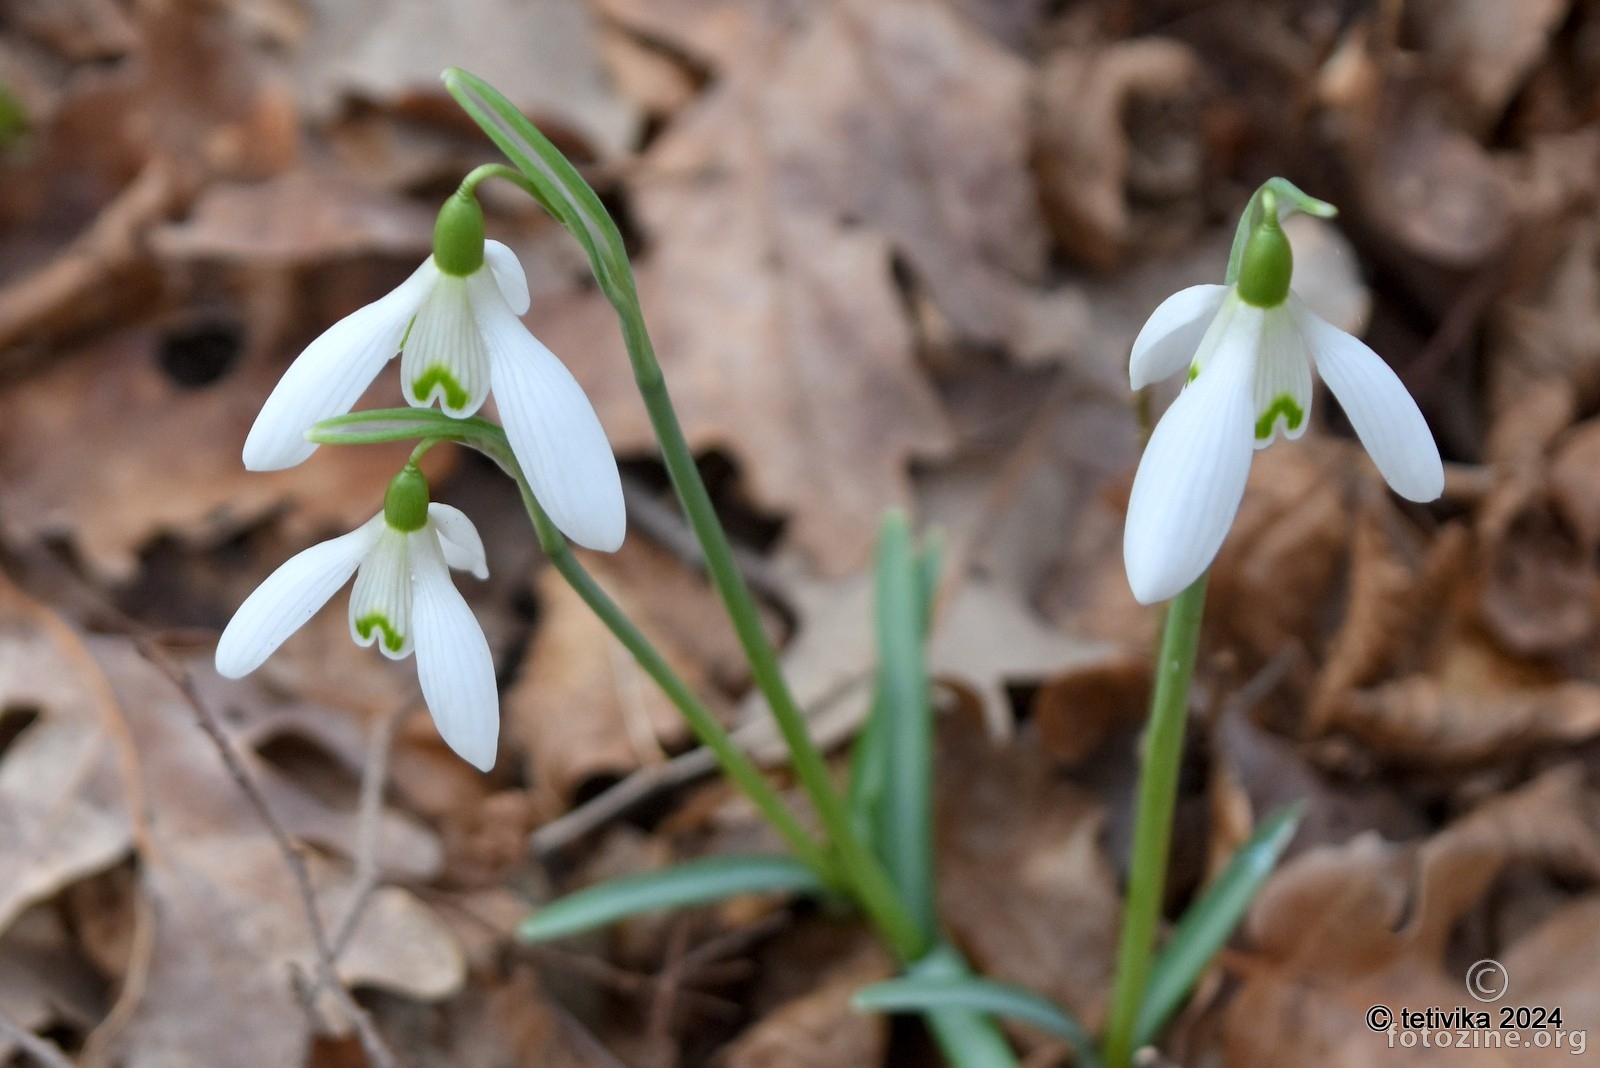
(40, 1049)
(369, 828)
(372, 1043)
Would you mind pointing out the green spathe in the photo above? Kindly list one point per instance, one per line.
(405, 505)
(458, 236)
(1268, 262)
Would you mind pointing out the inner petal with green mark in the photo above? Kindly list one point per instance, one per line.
(1282, 406)
(393, 640)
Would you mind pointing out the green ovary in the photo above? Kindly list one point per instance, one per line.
(1284, 405)
(393, 640)
(455, 395)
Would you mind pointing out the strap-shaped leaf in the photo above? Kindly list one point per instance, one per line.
(904, 706)
(927, 995)
(1210, 922)
(696, 883)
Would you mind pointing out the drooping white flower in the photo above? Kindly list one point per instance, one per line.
(455, 323)
(403, 601)
(1249, 349)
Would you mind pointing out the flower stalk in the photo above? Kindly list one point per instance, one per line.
(1152, 832)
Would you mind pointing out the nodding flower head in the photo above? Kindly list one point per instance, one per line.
(403, 602)
(1248, 349)
(455, 323)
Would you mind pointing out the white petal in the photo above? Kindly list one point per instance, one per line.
(509, 276)
(1192, 475)
(454, 664)
(289, 597)
(444, 357)
(1283, 379)
(554, 432)
(1385, 417)
(463, 549)
(380, 603)
(331, 374)
(1172, 334)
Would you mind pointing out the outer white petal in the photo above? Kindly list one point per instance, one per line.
(1283, 375)
(1171, 335)
(454, 664)
(509, 276)
(289, 597)
(1192, 475)
(554, 432)
(463, 549)
(1385, 418)
(331, 374)
(445, 341)
(380, 603)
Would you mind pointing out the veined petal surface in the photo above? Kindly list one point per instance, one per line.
(1192, 475)
(458, 537)
(554, 432)
(1171, 335)
(509, 277)
(454, 664)
(1283, 388)
(331, 374)
(444, 356)
(1385, 418)
(289, 597)
(380, 603)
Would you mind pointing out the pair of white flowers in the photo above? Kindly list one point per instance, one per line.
(1249, 349)
(455, 322)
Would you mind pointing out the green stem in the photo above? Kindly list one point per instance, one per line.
(735, 762)
(1152, 834)
(874, 890)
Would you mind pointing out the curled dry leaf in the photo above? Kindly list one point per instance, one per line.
(773, 211)
(140, 475)
(819, 1029)
(1485, 50)
(1019, 849)
(1344, 927)
(1084, 99)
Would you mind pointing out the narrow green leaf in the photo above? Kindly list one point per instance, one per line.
(1210, 922)
(695, 883)
(905, 840)
(927, 995)
(869, 770)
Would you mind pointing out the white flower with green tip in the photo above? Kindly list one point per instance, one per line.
(1249, 349)
(403, 602)
(455, 324)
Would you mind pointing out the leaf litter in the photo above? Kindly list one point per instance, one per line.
(892, 254)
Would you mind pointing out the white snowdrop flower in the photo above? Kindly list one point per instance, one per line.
(455, 323)
(1249, 349)
(403, 602)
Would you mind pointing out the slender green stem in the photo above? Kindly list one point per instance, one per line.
(735, 762)
(874, 890)
(1152, 834)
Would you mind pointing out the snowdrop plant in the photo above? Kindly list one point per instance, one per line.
(1249, 346)
(403, 601)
